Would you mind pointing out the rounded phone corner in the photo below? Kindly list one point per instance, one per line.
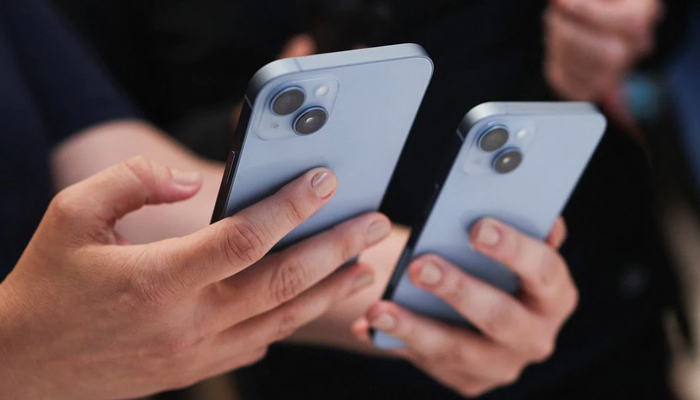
(422, 54)
(267, 74)
(478, 114)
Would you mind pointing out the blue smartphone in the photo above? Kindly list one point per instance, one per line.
(349, 111)
(516, 162)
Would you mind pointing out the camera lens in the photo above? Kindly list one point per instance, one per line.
(288, 101)
(311, 121)
(508, 161)
(494, 139)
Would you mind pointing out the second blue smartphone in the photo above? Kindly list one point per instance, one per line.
(515, 162)
(350, 111)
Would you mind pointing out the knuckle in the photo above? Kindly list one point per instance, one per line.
(293, 211)
(147, 292)
(454, 353)
(454, 288)
(64, 207)
(288, 280)
(244, 242)
(543, 349)
(349, 242)
(468, 356)
(176, 346)
(287, 324)
(568, 301)
(512, 376)
(458, 354)
(253, 358)
(142, 168)
(259, 355)
(499, 319)
(550, 269)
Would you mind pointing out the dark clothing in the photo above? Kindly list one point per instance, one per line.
(186, 64)
(184, 58)
(49, 89)
(636, 370)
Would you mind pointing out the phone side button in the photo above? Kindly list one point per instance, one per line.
(230, 167)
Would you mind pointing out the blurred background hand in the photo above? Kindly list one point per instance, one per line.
(591, 45)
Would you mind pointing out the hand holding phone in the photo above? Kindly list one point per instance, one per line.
(489, 292)
(123, 321)
(513, 333)
(350, 112)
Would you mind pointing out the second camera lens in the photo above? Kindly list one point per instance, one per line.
(311, 121)
(494, 139)
(508, 161)
(288, 101)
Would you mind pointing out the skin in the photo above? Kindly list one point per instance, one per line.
(88, 315)
(592, 44)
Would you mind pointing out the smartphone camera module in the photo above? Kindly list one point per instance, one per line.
(311, 121)
(508, 161)
(494, 139)
(288, 101)
(295, 108)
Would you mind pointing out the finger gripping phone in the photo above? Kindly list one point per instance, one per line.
(515, 162)
(349, 111)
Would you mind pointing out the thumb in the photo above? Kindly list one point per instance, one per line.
(299, 46)
(98, 202)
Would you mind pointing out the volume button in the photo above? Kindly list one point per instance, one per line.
(231, 164)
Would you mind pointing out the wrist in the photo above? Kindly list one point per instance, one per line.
(14, 377)
(8, 379)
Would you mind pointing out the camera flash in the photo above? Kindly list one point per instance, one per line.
(322, 91)
(522, 134)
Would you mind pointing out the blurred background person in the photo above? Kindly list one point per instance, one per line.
(187, 63)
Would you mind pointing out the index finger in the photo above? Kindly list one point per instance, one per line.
(233, 244)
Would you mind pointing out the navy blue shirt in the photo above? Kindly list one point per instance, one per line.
(50, 88)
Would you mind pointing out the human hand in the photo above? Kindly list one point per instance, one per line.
(86, 315)
(513, 332)
(591, 45)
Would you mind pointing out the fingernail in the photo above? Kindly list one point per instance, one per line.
(488, 234)
(430, 274)
(378, 231)
(384, 322)
(187, 179)
(324, 184)
(363, 281)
